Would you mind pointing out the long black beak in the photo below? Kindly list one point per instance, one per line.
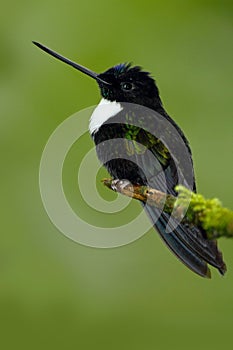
(71, 63)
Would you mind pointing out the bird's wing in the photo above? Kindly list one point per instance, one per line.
(187, 242)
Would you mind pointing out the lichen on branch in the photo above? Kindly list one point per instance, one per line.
(193, 208)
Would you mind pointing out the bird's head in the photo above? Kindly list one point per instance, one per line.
(126, 83)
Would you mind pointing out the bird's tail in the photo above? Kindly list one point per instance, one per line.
(187, 243)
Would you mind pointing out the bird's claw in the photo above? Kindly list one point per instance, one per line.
(118, 184)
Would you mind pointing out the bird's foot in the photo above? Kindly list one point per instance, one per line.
(117, 185)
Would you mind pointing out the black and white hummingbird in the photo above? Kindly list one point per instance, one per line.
(135, 115)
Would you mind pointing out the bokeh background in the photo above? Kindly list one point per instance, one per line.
(57, 294)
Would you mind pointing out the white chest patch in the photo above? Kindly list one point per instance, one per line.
(105, 110)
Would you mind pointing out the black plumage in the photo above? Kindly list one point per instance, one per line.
(162, 160)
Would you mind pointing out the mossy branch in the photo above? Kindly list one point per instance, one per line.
(208, 214)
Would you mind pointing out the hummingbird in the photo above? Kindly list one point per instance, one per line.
(130, 130)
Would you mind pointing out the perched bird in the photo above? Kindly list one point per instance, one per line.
(137, 140)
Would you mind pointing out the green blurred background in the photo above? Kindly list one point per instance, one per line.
(57, 294)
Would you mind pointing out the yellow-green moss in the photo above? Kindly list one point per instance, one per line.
(216, 220)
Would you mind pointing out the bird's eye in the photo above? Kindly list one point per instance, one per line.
(127, 86)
